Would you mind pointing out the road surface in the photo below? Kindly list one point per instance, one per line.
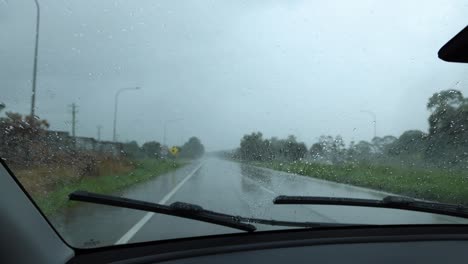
(227, 187)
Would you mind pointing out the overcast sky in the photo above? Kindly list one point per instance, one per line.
(231, 67)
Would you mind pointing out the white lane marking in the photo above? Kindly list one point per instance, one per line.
(260, 186)
(132, 231)
(307, 208)
(267, 190)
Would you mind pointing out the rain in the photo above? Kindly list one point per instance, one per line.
(227, 69)
(229, 104)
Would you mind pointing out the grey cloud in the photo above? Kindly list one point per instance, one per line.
(229, 68)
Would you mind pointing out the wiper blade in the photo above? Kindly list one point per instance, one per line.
(179, 209)
(294, 224)
(192, 211)
(391, 202)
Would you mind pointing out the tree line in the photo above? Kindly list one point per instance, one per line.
(254, 148)
(444, 145)
(192, 149)
(22, 139)
(25, 141)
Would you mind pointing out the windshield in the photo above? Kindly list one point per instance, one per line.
(227, 105)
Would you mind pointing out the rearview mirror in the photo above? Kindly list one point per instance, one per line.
(456, 50)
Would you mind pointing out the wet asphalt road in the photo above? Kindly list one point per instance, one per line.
(227, 187)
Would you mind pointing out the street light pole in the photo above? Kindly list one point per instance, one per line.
(99, 127)
(374, 117)
(36, 48)
(116, 101)
(165, 127)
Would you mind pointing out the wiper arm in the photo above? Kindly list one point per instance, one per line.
(296, 224)
(179, 209)
(192, 211)
(391, 202)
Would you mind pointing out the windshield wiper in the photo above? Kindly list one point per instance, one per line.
(179, 209)
(191, 211)
(391, 202)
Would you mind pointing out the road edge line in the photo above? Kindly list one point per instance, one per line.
(260, 186)
(274, 193)
(135, 228)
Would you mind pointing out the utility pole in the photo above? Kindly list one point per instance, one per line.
(36, 49)
(74, 111)
(99, 132)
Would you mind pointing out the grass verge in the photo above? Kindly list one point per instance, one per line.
(435, 185)
(144, 170)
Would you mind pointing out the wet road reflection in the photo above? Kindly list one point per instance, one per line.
(227, 187)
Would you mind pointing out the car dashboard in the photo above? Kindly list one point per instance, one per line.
(386, 244)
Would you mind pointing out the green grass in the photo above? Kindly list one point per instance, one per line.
(106, 184)
(430, 184)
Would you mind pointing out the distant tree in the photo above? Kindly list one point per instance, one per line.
(364, 150)
(294, 150)
(445, 99)
(317, 151)
(330, 148)
(411, 142)
(351, 152)
(445, 144)
(16, 124)
(192, 149)
(275, 149)
(152, 149)
(380, 145)
(22, 137)
(131, 149)
(448, 134)
(252, 147)
(387, 140)
(300, 151)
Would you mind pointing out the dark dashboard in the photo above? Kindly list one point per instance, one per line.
(396, 252)
(388, 244)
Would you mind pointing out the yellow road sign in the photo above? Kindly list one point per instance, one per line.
(174, 150)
